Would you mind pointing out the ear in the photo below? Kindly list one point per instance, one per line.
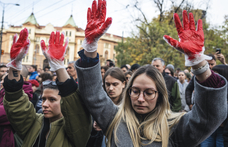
(124, 84)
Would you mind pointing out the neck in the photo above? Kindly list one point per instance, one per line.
(181, 81)
(55, 118)
(115, 100)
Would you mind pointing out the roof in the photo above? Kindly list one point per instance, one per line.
(31, 19)
(70, 21)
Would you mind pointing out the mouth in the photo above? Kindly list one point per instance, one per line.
(45, 111)
(140, 107)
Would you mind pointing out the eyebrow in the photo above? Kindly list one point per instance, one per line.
(145, 89)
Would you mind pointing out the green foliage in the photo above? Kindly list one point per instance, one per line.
(148, 43)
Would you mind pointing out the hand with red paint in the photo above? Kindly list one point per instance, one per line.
(96, 25)
(19, 49)
(56, 51)
(191, 41)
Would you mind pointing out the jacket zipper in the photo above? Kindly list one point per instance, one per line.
(38, 135)
(48, 135)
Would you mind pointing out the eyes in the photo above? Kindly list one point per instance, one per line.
(114, 84)
(49, 99)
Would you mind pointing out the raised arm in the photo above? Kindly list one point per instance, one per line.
(88, 67)
(16, 103)
(210, 106)
(77, 118)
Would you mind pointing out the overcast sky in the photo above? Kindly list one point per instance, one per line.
(57, 12)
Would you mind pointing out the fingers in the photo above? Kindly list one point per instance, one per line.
(66, 43)
(98, 9)
(88, 15)
(105, 26)
(62, 38)
(172, 42)
(57, 37)
(185, 20)
(178, 24)
(191, 22)
(52, 38)
(200, 25)
(43, 46)
(23, 36)
(103, 11)
(94, 9)
(15, 38)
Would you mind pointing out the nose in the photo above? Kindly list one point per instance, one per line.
(111, 87)
(45, 103)
(141, 97)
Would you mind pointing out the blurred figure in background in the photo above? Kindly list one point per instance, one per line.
(103, 70)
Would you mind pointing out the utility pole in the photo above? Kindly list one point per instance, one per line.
(3, 23)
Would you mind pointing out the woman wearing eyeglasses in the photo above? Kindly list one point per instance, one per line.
(144, 117)
(65, 122)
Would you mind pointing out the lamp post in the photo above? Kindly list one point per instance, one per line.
(4, 4)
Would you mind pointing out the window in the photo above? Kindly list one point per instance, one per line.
(38, 39)
(106, 55)
(66, 33)
(107, 45)
(114, 56)
(80, 42)
(29, 31)
(70, 33)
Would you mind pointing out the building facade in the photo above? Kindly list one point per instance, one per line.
(37, 33)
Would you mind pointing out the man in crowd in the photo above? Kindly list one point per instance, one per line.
(124, 68)
(3, 70)
(212, 62)
(220, 57)
(171, 84)
(33, 72)
(72, 71)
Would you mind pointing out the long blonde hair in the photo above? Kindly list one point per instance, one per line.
(157, 124)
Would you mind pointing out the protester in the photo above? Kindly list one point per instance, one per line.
(33, 72)
(211, 62)
(50, 128)
(128, 76)
(3, 69)
(103, 70)
(134, 67)
(110, 63)
(114, 83)
(188, 77)
(182, 83)
(169, 71)
(144, 117)
(124, 68)
(171, 84)
(72, 71)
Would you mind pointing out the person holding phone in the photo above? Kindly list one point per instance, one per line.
(218, 55)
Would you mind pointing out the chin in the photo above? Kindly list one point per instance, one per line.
(140, 111)
(47, 116)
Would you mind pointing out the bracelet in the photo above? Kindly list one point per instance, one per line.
(200, 70)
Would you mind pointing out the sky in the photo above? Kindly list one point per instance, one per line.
(123, 13)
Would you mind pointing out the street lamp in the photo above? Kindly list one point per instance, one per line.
(4, 4)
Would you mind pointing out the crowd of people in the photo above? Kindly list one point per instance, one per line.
(88, 105)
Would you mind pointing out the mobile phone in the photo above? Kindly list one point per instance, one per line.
(218, 50)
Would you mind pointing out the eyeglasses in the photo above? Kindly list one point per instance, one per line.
(128, 78)
(168, 73)
(49, 82)
(149, 94)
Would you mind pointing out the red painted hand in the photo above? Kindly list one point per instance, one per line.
(96, 24)
(191, 41)
(56, 51)
(19, 49)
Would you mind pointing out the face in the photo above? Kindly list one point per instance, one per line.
(211, 63)
(181, 76)
(31, 69)
(158, 65)
(114, 87)
(124, 69)
(3, 70)
(128, 77)
(167, 71)
(51, 104)
(102, 73)
(140, 104)
(2, 81)
(71, 70)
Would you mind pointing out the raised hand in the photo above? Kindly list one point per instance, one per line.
(19, 49)
(191, 41)
(96, 25)
(56, 51)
